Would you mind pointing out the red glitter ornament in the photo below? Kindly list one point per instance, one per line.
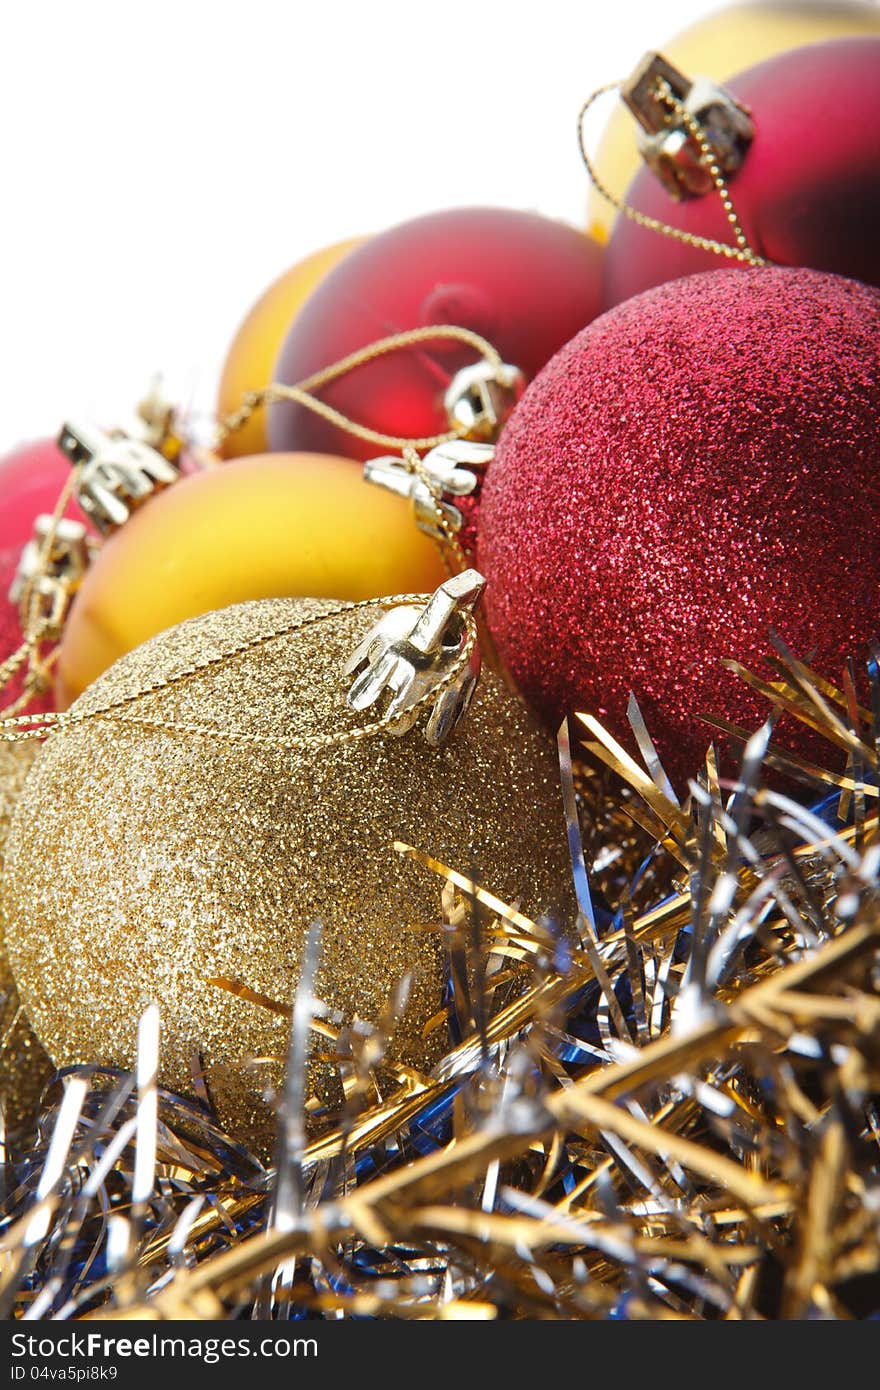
(525, 282)
(808, 191)
(31, 479)
(700, 464)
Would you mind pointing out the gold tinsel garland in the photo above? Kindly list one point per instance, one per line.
(676, 1118)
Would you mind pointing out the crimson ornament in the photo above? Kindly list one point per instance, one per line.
(698, 466)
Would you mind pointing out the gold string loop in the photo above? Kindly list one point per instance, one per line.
(742, 251)
(22, 728)
(302, 392)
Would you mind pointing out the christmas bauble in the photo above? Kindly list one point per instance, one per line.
(31, 479)
(807, 192)
(718, 45)
(147, 859)
(24, 1066)
(698, 466)
(274, 526)
(251, 358)
(525, 282)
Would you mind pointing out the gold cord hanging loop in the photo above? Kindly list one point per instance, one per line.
(24, 727)
(302, 392)
(742, 251)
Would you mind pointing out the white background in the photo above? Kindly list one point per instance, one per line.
(163, 161)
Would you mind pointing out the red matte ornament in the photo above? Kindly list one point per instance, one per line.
(698, 466)
(808, 191)
(525, 282)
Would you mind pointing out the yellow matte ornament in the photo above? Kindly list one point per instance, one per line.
(273, 526)
(723, 43)
(213, 795)
(250, 361)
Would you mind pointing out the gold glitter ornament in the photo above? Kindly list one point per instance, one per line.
(196, 829)
(24, 1066)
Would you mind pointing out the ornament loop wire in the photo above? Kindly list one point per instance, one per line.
(302, 391)
(742, 251)
(24, 727)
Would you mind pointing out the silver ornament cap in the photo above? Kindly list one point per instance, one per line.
(414, 652)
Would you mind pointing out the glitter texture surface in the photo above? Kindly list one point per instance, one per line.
(698, 465)
(141, 862)
(24, 1067)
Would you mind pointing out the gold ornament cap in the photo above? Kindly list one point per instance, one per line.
(652, 93)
